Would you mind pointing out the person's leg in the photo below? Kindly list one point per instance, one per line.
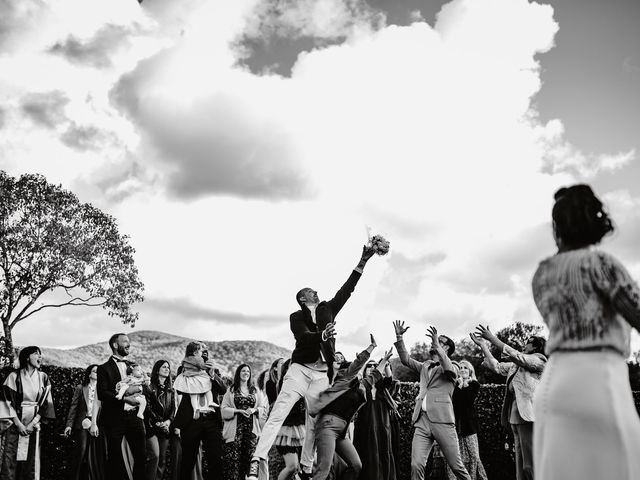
(446, 436)
(348, 453)
(518, 452)
(115, 462)
(421, 446)
(319, 383)
(212, 444)
(327, 431)
(175, 453)
(163, 447)
(525, 432)
(290, 466)
(135, 435)
(294, 387)
(190, 442)
(10, 451)
(121, 391)
(152, 457)
(81, 439)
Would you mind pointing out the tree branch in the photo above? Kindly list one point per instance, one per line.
(74, 302)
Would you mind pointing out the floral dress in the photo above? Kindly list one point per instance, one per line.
(237, 454)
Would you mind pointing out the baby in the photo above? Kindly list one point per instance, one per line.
(195, 381)
(135, 376)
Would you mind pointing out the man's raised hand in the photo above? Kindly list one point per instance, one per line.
(373, 341)
(433, 333)
(399, 327)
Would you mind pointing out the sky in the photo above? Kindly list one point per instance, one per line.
(249, 147)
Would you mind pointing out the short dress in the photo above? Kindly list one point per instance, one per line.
(290, 438)
(587, 426)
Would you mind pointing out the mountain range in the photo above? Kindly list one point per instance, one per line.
(147, 346)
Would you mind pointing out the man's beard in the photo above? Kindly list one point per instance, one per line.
(122, 352)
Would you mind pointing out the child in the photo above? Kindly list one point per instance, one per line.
(135, 376)
(194, 380)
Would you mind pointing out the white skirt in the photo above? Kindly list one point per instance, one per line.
(586, 424)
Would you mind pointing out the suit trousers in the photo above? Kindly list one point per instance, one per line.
(132, 428)
(330, 439)
(425, 434)
(208, 431)
(523, 445)
(300, 381)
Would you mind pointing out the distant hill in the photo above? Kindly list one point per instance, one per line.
(147, 346)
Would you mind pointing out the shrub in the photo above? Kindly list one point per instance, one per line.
(498, 460)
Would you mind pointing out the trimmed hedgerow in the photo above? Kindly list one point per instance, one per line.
(496, 444)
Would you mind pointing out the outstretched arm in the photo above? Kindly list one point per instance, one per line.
(406, 360)
(341, 297)
(448, 367)
(501, 368)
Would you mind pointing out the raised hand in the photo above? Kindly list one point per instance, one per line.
(399, 327)
(433, 333)
(485, 333)
(387, 355)
(475, 338)
(367, 253)
(373, 341)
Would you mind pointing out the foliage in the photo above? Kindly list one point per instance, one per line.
(497, 460)
(59, 252)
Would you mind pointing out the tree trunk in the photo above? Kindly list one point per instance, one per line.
(6, 346)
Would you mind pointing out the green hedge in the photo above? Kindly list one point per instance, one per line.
(497, 459)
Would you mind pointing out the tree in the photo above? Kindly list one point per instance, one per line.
(53, 246)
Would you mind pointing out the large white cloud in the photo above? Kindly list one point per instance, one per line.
(238, 189)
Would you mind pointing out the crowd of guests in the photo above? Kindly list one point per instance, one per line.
(567, 398)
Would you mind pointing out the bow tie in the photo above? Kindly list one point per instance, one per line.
(120, 360)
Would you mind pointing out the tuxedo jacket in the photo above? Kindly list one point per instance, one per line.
(437, 383)
(308, 335)
(112, 409)
(78, 409)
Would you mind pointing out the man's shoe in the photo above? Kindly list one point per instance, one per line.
(304, 475)
(254, 470)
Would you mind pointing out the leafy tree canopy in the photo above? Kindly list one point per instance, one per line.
(52, 246)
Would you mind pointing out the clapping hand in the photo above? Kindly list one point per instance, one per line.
(399, 327)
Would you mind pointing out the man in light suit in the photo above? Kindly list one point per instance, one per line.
(523, 371)
(433, 413)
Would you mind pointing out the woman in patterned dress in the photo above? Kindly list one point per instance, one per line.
(464, 397)
(586, 426)
(244, 411)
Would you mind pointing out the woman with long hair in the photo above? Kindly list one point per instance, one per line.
(586, 425)
(373, 435)
(244, 411)
(158, 417)
(27, 402)
(464, 397)
(90, 451)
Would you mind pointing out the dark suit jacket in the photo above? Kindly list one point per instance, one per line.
(184, 415)
(78, 408)
(112, 409)
(308, 335)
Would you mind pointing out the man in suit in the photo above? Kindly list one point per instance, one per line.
(207, 429)
(114, 420)
(524, 372)
(433, 413)
(313, 328)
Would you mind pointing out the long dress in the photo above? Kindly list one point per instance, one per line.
(237, 454)
(467, 427)
(26, 395)
(374, 431)
(586, 425)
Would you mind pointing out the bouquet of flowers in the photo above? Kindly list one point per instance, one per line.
(379, 244)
